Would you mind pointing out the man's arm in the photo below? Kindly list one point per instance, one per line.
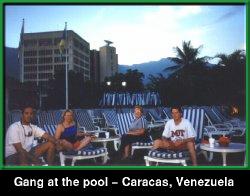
(49, 138)
(137, 132)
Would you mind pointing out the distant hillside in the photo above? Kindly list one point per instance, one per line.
(152, 67)
(11, 63)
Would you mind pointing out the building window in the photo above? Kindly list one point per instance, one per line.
(30, 43)
(80, 46)
(45, 42)
(57, 51)
(30, 53)
(30, 68)
(76, 61)
(45, 60)
(30, 76)
(45, 68)
(86, 65)
(86, 72)
(60, 59)
(45, 52)
(57, 41)
(45, 75)
(28, 61)
(60, 67)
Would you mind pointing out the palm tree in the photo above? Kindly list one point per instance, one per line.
(237, 58)
(185, 82)
(232, 69)
(187, 58)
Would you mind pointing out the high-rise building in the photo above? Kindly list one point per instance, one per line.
(95, 66)
(108, 61)
(40, 58)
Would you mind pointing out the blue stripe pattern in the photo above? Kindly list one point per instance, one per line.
(85, 120)
(124, 120)
(110, 118)
(196, 117)
(113, 99)
(86, 152)
(50, 129)
(168, 154)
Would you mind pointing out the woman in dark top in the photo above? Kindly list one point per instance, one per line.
(136, 133)
(67, 135)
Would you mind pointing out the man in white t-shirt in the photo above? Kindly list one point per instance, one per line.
(178, 134)
(19, 148)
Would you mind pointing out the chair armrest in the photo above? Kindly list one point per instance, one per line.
(111, 129)
(98, 128)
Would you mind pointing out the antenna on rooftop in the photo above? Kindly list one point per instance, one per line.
(108, 42)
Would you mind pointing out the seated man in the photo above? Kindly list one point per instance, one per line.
(178, 134)
(20, 135)
(136, 133)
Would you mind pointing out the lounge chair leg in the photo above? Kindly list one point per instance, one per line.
(147, 162)
(116, 145)
(184, 163)
(205, 154)
(73, 162)
(105, 158)
(211, 156)
(132, 151)
(62, 159)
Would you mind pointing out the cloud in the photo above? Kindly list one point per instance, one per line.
(151, 38)
(232, 12)
(243, 46)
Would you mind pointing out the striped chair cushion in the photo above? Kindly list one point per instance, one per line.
(143, 144)
(86, 152)
(168, 154)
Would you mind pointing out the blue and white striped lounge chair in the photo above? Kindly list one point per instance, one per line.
(47, 117)
(57, 115)
(111, 123)
(215, 125)
(85, 153)
(85, 122)
(238, 126)
(156, 117)
(196, 117)
(111, 120)
(16, 115)
(167, 113)
(50, 129)
(219, 127)
(95, 116)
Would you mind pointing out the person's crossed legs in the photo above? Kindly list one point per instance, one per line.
(169, 145)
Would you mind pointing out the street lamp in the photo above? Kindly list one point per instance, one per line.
(108, 83)
(124, 83)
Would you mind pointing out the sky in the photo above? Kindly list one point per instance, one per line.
(140, 33)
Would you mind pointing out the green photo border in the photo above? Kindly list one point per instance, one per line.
(99, 2)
